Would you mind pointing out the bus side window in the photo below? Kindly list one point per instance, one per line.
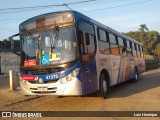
(122, 48)
(138, 51)
(141, 48)
(87, 46)
(134, 50)
(129, 49)
(87, 43)
(87, 37)
(90, 43)
(103, 42)
(113, 44)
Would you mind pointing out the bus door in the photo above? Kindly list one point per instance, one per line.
(88, 74)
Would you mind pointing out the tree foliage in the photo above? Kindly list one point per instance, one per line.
(150, 40)
(6, 43)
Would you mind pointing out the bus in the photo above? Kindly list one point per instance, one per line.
(66, 53)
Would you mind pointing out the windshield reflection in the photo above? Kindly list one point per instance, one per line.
(50, 47)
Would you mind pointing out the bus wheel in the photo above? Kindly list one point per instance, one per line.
(103, 86)
(135, 79)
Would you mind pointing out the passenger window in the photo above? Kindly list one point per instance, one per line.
(102, 35)
(90, 43)
(120, 41)
(134, 50)
(114, 44)
(113, 39)
(138, 51)
(122, 48)
(129, 50)
(103, 42)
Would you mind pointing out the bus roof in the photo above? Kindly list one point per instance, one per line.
(78, 15)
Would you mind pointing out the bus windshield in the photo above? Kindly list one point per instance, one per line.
(50, 47)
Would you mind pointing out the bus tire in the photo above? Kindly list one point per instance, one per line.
(135, 79)
(103, 86)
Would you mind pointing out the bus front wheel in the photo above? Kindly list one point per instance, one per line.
(103, 86)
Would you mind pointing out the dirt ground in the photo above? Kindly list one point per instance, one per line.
(141, 96)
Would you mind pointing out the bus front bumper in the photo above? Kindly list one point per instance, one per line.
(71, 88)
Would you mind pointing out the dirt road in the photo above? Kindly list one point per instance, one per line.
(141, 96)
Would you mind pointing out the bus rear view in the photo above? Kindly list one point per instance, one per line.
(49, 55)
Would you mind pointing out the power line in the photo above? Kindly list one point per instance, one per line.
(57, 5)
(119, 6)
(24, 9)
(89, 10)
(109, 1)
(68, 7)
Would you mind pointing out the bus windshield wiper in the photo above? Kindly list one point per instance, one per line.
(30, 35)
(54, 38)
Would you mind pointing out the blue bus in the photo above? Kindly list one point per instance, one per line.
(69, 54)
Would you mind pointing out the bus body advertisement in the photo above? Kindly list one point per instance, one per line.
(67, 53)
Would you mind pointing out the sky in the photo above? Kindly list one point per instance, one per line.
(121, 15)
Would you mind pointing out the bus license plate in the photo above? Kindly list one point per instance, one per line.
(42, 89)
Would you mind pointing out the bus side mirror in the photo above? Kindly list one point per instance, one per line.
(13, 48)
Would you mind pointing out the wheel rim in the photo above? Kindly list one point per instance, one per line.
(136, 75)
(104, 85)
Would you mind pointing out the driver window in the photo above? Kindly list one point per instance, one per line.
(87, 38)
(90, 44)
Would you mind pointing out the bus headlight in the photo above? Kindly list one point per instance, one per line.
(75, 72)
(70, 77)
(62, 81)
(40, 80)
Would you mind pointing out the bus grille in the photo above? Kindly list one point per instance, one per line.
(43, 71)
(45, 82)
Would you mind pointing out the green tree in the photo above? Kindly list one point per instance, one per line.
(150, 40)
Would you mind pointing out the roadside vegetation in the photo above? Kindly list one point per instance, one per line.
(151, 45)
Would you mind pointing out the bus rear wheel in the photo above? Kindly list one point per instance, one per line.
(135, 79)
(103, 86)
